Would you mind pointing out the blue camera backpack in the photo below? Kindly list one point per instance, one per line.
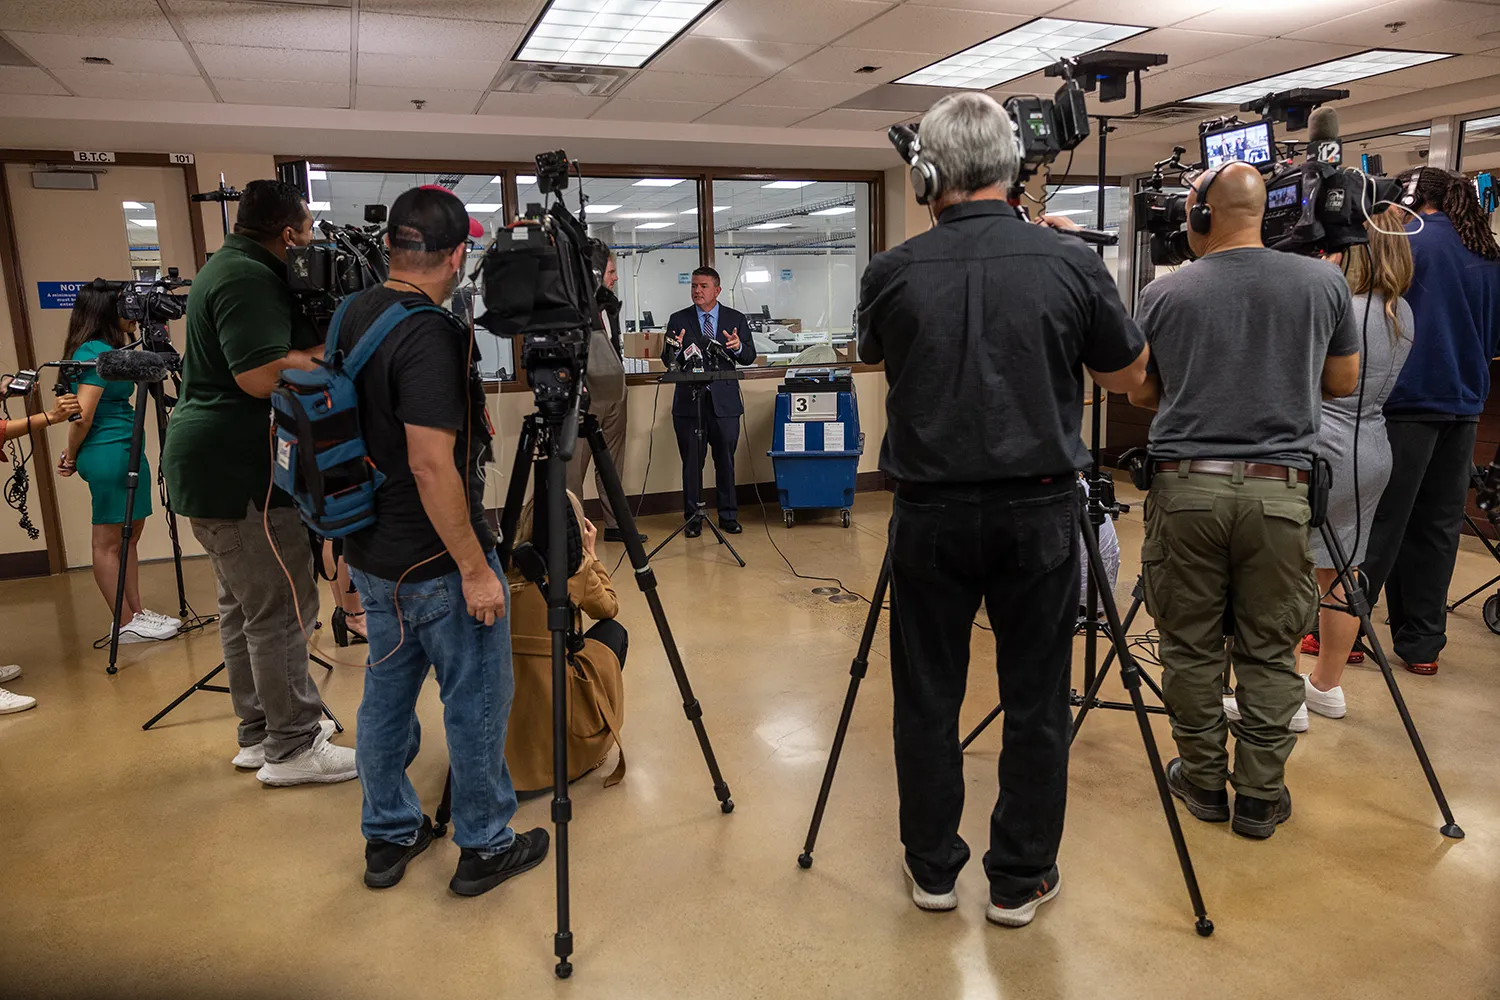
(321, 459)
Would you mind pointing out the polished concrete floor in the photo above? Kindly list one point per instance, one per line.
(141, 864)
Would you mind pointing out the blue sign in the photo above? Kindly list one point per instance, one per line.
(684, 277)
(786, 274)
(58, 294)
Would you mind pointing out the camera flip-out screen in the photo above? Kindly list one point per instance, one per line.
(1251, 143)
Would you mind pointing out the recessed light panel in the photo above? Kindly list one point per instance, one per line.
(771, 225)
(786, 185)
(840, 210)
(320, 206)
(654, 225)
(659, 182)
(489, 208)
(1033, 46)
(1325, 74)
(608, 32)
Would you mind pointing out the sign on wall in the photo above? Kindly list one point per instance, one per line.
(786, 274)
(684, 277)
(58, 294)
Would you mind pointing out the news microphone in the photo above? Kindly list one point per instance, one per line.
(1323, 145)
(132, 366)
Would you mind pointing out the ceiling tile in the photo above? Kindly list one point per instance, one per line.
(118, 19)
(1282, 16)
(1155, 14)
(751, 114)
(1268, 58)
(272, 25)
(541, 105)
(845, 118)
(837, 64)
(244, 62)
(127, 54)
(383, 69)
(30, 80)
(437, 38)
(512, 11)
(1030, 8)
(938, 30)
(792, 93)
(1368, 26)
(1459, 69)
(1472, 36)
(439, 100)
(694, 54)
(787, 20)
(1164, 86)
(283, 94)
(86, 82)
(625, 110)
(651, 85)
(1184, 47)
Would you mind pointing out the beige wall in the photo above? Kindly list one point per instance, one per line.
(12, 538)
(238, 169)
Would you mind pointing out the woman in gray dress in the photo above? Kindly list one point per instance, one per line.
(1352, 437)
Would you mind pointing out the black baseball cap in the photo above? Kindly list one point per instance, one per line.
(436, 214)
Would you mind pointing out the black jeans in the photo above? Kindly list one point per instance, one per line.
(721, 438)
(1013, 545)
(1414, 539)
(613, 635)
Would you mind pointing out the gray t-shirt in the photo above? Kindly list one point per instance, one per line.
(1238, 340)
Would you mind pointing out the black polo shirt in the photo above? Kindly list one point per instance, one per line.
(985, 323)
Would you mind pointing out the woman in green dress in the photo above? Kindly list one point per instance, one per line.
(99, 451)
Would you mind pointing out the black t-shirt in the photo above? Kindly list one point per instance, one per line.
(425, 373)
(985, 324)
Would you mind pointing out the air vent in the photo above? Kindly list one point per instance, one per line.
(1171, 114)
(572, 81)
(868, 69)
(12, 56)
(98, 61)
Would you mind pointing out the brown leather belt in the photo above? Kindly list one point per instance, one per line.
(1252, 470)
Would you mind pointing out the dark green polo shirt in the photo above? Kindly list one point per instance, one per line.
(241, 315)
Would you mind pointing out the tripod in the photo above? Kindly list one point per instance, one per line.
(548, 439)
(1130, 675)
(1486, 483)
(698, 383)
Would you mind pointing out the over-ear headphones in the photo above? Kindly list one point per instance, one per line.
(1409, 196)
(926, 180)
(1201, 218)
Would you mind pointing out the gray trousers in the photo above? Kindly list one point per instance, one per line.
(265, 652)
(612, 423)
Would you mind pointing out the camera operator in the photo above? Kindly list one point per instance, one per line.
(985, 324)
(1244, 343)
(243, 329)
(1432, 416)
(612, 416)
(427, 569)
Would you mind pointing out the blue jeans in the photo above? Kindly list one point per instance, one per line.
(476, 683)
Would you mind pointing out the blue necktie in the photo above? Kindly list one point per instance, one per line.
(708, 327)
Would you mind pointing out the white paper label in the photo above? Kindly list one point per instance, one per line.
(180, 158)
(284, 454)
(814, 406)
(796, 437)
(90, 156)
(833, 437)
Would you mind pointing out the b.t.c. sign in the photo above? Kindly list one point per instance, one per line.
(58, 294)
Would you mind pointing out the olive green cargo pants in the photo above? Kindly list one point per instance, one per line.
(1217, 543)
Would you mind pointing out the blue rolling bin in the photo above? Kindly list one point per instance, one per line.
(816, 443)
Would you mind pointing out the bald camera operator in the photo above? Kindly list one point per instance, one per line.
(1245, 342)
(985, 324)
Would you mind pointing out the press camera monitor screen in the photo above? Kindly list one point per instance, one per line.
(1251, 143)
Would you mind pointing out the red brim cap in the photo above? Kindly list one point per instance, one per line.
(476, 229)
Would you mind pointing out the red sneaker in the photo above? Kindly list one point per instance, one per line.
(1423, 669)
(1310, 647)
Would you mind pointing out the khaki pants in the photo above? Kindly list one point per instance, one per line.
(612, 423)
(1227, 543)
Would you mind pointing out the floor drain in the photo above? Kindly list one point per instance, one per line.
(825, 591)
(842, 599)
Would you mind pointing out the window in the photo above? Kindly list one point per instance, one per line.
(1480, 146)
(140, 233)
(1145, 270)
(1398, 150)
(790, 253)
(1080, 203)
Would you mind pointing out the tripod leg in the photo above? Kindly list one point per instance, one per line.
(856, 674)
(984, 724)
(1359, 604)
(127, 529)
(722, 540)
(645, 578)
(445, 808)
(200, 685)
(1130, 676)
(552, 498)
(1090, 696)
(515, 491)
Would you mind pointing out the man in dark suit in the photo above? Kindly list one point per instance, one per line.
(719, 407)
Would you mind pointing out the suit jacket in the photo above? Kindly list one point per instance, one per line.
(725, 395)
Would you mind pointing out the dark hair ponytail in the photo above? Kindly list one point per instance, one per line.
(1453, 195)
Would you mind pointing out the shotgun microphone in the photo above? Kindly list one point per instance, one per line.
(132, 366)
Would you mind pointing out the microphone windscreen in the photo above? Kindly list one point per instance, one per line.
(132, 366)
(1322, 125)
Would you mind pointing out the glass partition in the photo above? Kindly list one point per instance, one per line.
(1479, 149)
(1397, 151)
(140, 234)
(1145, 270)
(1080, 202)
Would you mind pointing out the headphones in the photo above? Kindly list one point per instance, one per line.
(926, 180)
(1201, 218)
(1409, 196)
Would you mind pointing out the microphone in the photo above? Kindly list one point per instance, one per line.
(132, 366)
(1323, 145)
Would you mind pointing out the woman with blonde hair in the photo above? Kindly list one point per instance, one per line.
(1352, 436)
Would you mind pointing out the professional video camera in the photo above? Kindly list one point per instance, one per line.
(148, 302)
(348, 259)
(1315, 207)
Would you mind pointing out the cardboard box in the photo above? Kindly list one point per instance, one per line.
(644, 345)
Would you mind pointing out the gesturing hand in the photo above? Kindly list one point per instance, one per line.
(732, 338)
(590, 536)
(484, 593)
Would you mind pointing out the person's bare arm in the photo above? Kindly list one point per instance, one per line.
(259, 382)
(1340, 375)
(1148, 395)
(88, 405)
(446, 503)
(1126, 379)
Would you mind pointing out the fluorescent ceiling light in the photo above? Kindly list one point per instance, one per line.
(1426, 132)
(482, 208)
(602, 209)
(134, 206)
(1325, 74)
(786, 185)
(608, 32)
(840, 210)
(757, 277)
(1034, 45)
(144, 223)
(717, 209)
(1480, 124)
(655, 182)
(771, 225)
(654, 225)
(1078, 189)
(1073, 211)
(524, 180)
(320, 206)
(317, 175)
(645, 215)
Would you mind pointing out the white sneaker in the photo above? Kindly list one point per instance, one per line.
(10, 702)
(1299, 721)
(9, 672)
(321, 763)
(143, 629)
(167, 619)
(1329, 704)
(254, 758)
(1020, 916)
(932, 901)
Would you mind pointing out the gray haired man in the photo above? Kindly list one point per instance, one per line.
(985, 325)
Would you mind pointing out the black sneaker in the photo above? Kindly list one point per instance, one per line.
(616, 535)
(1019, 912)
(386, 862)
(1210, 807)
(1259, 818)
(477, 875)
(694, 529)
(730, 526)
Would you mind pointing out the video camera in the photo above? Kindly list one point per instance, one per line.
(1316, 207)
(148, 302)
(348, 259)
